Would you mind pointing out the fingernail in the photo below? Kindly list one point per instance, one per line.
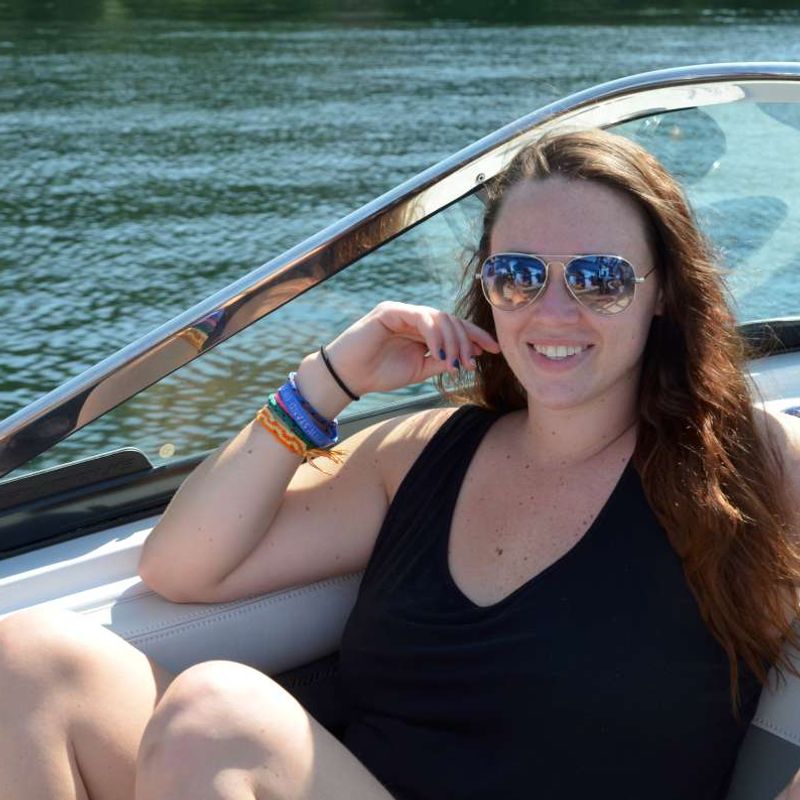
(456, 363)
(442, 355)
(474, 361)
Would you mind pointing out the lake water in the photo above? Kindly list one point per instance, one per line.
(153, 154)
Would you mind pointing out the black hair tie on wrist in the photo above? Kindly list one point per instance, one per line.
(332, 371)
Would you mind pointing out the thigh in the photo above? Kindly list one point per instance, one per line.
(80, 689)
(224, 718)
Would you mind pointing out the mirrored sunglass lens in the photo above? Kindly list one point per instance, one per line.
(602, 283)
(512, 280)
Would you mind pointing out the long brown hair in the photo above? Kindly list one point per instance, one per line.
(710, 475)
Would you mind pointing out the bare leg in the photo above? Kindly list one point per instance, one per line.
(74, 701)
(224, 731)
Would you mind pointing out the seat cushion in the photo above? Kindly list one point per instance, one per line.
(770, 753)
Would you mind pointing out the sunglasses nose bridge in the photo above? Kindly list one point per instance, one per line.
(555, 295)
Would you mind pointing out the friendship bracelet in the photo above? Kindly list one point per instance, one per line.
(286, 438)
(332, 371)
(305, 427)
(282, 416)
(267, 420)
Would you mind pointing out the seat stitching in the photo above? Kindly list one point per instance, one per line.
(784, 733)
(219, 611)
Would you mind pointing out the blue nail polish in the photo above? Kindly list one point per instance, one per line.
(456, 363)
(442, 355)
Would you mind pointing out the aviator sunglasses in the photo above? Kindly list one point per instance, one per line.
(604, 284)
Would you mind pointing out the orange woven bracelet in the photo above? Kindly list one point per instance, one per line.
(267, 420)
(284, 436)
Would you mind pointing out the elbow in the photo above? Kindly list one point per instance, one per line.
(165, 584)
(155, 580)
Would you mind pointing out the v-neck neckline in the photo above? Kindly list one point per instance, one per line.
(543, 574)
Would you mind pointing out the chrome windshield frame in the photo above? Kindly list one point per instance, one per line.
(79, 401)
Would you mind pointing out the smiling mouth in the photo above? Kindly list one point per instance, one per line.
(559, 352)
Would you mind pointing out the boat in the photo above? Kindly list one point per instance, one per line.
(71, 534)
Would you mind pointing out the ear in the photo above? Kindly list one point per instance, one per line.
(659, 309)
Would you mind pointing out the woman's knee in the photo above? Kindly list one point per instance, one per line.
(218, 710)
(45, 644)
(48, 653)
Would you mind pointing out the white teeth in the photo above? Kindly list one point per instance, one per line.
(557, 351)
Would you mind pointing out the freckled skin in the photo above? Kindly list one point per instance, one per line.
(565, 217)
(580, 420)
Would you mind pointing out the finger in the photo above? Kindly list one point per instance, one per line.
(432, 335)
(451, 344)
(481, 337)
(465, 345)
(431, 367)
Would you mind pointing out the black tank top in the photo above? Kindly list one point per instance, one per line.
(596, 678)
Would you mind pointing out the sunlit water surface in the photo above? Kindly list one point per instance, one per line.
(147, 163)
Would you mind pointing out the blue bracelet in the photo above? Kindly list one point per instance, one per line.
(323, 423)
(304, 421)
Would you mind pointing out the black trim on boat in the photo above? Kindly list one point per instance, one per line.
(769, 337)
(89, 501)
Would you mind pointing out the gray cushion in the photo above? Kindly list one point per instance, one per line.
(770, 753)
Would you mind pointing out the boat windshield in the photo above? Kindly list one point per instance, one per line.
(740, 167)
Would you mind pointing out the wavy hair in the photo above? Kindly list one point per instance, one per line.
(712, 477)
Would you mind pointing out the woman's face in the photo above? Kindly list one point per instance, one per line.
(560, 217)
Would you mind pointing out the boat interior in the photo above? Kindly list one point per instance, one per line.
(73, 519)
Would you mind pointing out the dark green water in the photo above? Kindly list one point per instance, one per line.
(153, 153)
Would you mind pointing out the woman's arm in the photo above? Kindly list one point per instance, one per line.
(250, 519)
(792, 791)
(783, 433)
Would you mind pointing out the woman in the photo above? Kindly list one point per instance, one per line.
(575, 586)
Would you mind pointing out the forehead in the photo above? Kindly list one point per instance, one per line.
(557, 216)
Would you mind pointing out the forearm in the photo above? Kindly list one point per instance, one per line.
(226, 506)
(229, 505)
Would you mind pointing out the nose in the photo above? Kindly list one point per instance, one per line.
(555, 301)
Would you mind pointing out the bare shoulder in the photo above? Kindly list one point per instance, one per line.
(781, 432)
(403, 442)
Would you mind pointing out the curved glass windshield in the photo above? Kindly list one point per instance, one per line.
(740, 166)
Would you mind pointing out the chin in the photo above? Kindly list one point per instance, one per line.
(556, 400)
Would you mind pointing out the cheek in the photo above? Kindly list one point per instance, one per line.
(636, 337)
(500, 327)
(506, 331)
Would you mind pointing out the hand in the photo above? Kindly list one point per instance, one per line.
(397, 345)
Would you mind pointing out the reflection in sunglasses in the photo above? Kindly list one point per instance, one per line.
(604, 284)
